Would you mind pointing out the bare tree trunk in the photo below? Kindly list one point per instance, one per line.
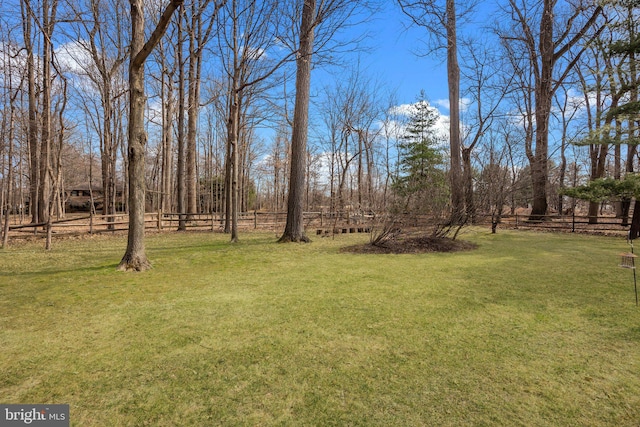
(33, 143)
(57, 182)
(543, 97)
(294, 228)
(135, 257)
(550, 51)
(182, 146)
(167, 144)
(453, 77)
(192, 118)
(228, 170)
(48, 23)
(470, 205)
(234, 118)
(9, 203)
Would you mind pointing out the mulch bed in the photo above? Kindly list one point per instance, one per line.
(412, 244)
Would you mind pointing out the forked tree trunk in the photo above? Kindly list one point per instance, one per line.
(294, 228)
(135, 257)
(550, 52)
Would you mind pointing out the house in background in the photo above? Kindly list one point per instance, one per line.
(78, 198)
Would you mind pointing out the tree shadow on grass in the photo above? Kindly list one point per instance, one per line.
(49, 271)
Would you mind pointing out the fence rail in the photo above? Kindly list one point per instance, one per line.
(569, 223)
(94, 224)
(319, 223)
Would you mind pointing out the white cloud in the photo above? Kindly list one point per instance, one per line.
(443, 103)
(74, 58)
(465, 103)
(401, 110)
(255, 53)
(396, 125)
(442, 128)
(12, 61)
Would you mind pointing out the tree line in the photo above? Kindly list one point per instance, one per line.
(210, 106)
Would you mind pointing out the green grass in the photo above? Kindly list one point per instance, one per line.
(529, 329)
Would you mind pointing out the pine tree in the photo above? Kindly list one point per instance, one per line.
(626, 49)
(630, 111)
(421, 182)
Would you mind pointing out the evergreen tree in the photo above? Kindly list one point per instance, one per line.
(422, 182)
(622, 120)
(630, 111)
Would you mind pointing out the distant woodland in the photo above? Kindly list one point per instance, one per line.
(216, 105)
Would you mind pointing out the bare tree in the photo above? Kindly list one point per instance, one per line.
(200, 30)
(323, 18)
(167, 97)
(32, 135)
(351, 111)
(8, 134)
(135, 257)
(294, 228)
(182, 145)
(100, 35)
(440, 19)
(568, 108)
(486, 90)
(47, 27)
(552, 43)
(252, 29)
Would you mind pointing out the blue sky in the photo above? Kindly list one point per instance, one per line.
(389, 58)
(394, 60)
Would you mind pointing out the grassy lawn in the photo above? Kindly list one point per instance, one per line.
(529, 329)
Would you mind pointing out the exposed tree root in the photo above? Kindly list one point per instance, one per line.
(286, 238)
(134, 263)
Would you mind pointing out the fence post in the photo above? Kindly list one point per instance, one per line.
(49, 228)
(159, 213)
(516, 221)
(573, 221)
(255, 219)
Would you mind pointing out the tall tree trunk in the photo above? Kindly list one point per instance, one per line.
(563, 172)
(228, 169)
(182, 146)
(294, 228)
(470, 206)
(9, 180)
(550, 51)
(543, 97)
(135, 257)
(167, 145)
(48, 23)
(234, 117)
(33, 143)
(192, 118)
(108, 153)
(453, 76)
